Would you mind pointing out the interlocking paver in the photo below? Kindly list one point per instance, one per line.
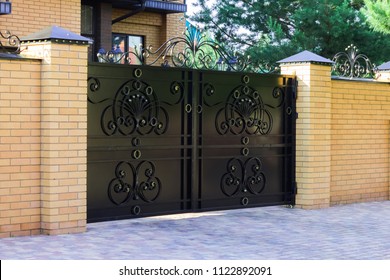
(357, 231)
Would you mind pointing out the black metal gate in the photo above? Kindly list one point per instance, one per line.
(170, 140)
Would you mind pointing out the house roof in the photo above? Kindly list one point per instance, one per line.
(306, 56)
(165, 6)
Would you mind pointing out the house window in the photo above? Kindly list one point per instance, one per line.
(129, 44)
(87, 27)
(5, 7)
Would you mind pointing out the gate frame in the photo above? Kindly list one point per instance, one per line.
(194, 91)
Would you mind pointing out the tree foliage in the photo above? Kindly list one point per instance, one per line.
(378, 14)
(272, 30)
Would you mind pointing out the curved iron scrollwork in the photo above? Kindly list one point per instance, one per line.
(351, 64)
(243, 177)
(245, 111)
(9, 42)
(265, 68)
(192, 50)
(93, 88)
(134, 183)
(135, 108)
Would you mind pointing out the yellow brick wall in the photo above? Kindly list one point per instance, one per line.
(175, 25)
(343, 129)
(360, 141)
(43, 141)
(145, 24)
(156, 28)
(29, 16)
(19, 147)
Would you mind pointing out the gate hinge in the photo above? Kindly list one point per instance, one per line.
(295, 90)
(295, 188)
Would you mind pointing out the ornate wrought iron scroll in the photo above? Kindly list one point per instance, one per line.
(192, 50)
(9, 42)
(243, 177)
(244, 110)
(264, 67)
(134, 183)
(136, 107)
(351, 64)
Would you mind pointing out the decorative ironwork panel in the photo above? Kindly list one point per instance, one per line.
(246, 140)
(9, 43)
(245, 111)
(136, 141)
(352, 64)
(129, 185)
(169, 140)
(243, 177)
(193, 50)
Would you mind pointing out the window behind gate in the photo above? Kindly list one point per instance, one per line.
(128, 44)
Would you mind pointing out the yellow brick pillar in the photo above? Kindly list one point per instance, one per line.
(383, 72)
(383, 75)
(63, 127)
(313, 133)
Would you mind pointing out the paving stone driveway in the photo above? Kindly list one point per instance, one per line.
(358, 231)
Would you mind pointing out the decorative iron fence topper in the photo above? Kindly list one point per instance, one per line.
(352, 64)
(9, 43)
(192, 50)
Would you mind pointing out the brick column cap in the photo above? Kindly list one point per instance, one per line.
(56, 34)
(306, 57)
(385, 67)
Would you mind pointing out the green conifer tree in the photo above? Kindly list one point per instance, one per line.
(270, 30)
(378, 14)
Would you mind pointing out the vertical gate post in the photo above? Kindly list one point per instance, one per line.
(63, 119)
(313, 131)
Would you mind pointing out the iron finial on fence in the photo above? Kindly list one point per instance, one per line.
(352, 64)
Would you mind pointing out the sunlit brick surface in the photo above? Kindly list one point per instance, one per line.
(342, 138)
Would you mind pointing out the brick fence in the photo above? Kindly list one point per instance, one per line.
(20, 137)
(342, 138)
(43, 130)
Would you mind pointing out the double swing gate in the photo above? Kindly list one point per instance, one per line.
(169, 140)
